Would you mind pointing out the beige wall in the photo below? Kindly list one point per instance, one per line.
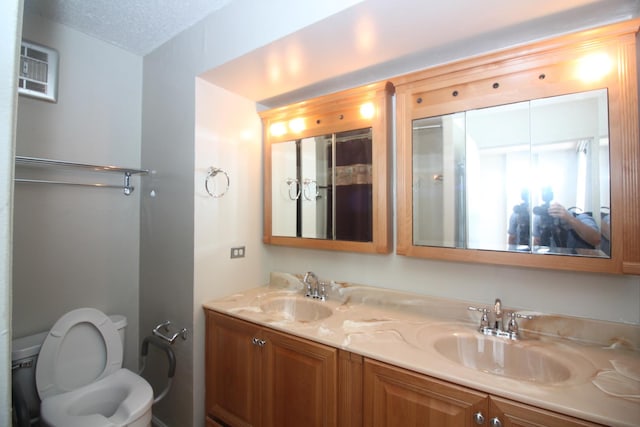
(75, 246)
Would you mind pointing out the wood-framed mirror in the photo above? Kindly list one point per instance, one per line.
(500, 152)
(327, 171)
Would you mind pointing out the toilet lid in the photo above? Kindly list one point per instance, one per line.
(82, 347)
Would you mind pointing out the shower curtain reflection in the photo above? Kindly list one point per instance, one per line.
(352, 202)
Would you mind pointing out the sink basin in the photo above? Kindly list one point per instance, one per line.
(297, 309)
(517, 360)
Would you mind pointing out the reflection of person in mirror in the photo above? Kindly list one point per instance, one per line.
(582, 230)
(518, 232)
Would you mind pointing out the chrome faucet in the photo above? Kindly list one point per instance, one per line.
(498, 330)
(314, 287)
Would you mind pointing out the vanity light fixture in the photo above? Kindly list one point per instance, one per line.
(297, 125)
(278, 129)
(367, 110)
(594, 67)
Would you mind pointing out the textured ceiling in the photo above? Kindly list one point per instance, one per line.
(139, 26)
(369, 41)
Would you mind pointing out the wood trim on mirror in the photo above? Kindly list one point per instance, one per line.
(538, 70)
(334, 113)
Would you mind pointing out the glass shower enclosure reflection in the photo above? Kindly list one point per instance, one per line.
(322, 187)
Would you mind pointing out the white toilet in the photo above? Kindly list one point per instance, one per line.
(80, 379)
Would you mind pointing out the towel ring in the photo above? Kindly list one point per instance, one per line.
(307, 186)
(211, 173)
(294, 185)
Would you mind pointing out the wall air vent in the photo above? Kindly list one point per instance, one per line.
(38, 74)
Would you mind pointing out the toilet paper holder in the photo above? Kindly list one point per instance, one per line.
(164, 326)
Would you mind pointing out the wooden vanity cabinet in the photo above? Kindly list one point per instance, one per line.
(300, 378)
(232, 371)
(257, 376)
(398, 397)
(514, 414)
(211, 423)
(260, 377)
(350, 389)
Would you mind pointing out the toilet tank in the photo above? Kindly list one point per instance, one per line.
(24, 354)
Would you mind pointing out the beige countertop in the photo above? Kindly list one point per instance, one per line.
(599, 361)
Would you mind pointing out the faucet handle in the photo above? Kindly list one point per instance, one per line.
(512, 326)
(484, 319)
(322, 294)
(524, 316)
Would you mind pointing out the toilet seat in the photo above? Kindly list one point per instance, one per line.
(122, 399)
(82, 347)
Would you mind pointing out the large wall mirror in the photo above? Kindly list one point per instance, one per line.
(531, 176)
(327, 174)
(524, 159)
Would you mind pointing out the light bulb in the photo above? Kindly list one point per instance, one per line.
(367, 110)
(297, 125)
(278, 129)
(594, 67)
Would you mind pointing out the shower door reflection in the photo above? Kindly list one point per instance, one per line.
(322, 187)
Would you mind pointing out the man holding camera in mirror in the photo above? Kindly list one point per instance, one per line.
(557, 227)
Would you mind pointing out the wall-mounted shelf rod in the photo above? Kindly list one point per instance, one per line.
(35, 161)
(41, 181)
(26, 161)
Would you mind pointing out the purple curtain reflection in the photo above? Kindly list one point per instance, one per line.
(353, 186)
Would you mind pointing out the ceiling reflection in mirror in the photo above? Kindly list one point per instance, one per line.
(529, 177)
(322, 187)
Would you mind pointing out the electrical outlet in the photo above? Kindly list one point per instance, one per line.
(237, 252)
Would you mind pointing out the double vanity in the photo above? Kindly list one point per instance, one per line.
(373, 357)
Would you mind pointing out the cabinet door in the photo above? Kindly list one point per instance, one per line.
(513, 414)
(395, 397)
(232, 371)
(300, 380)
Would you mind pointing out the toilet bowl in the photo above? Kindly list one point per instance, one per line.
(80, 379)
(116, 400)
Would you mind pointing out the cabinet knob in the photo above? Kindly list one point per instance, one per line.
(495, 422)
(478, 418)
(258, 342)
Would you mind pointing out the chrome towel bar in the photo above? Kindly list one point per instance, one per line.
(36, 161)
